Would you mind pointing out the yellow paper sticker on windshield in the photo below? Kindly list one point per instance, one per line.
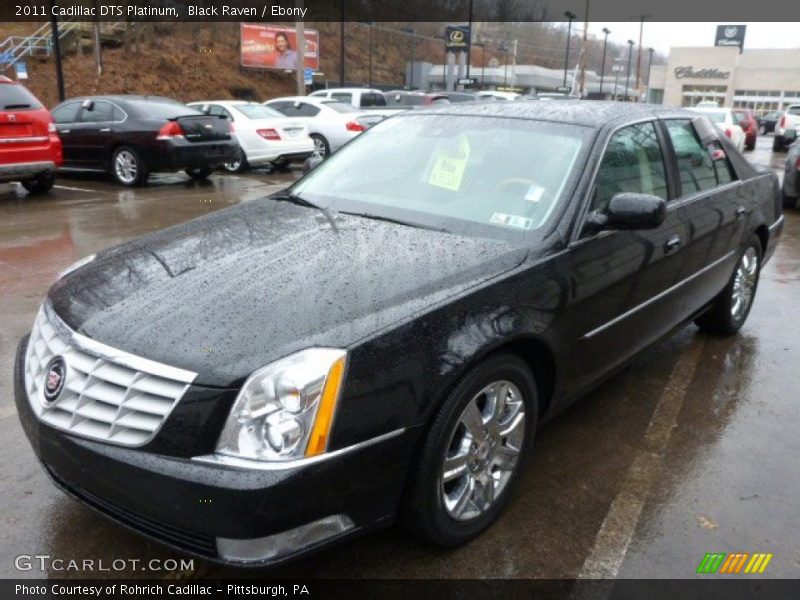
(448, 170)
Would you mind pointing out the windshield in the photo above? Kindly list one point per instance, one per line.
(485, 176)
(341, 106)
(258, 111)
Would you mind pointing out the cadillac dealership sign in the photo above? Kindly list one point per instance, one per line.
(730, 35)
(690, 73)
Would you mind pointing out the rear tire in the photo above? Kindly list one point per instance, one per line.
(471, 459)
(732, 306)
(40, 184)
(777, 144)
(199, 173)
(127, 167)
(282, 165)
(321, 145)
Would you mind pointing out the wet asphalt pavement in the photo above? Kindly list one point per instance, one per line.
(692, 449)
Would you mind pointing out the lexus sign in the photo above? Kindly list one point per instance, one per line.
(730, 35)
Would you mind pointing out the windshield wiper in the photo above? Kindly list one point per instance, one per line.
(392, 220)
(286, 196)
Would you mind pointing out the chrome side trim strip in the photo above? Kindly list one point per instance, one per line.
(247, 464)
(24, 140)
(100, 350)
(777, 223)
(657, 297)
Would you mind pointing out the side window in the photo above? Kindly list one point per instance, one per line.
(694, 162)
(283, 107)
(307, 110)
(67, 113)
(101, 112)
(633, 162)
(347, 98)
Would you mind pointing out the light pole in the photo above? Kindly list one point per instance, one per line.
(410, 30)
(469, 39)
(341, 44)
(628, 77)
(617, 67)
(504, 48)
(606, 30)
(57, 52)
(649, 68)
(570, 15)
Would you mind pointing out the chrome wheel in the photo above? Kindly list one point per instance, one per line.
(483, 451)
(319, 146)
(126, 166)
(236, 165)
(744, 283)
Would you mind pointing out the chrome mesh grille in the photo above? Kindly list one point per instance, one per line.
(108, 395)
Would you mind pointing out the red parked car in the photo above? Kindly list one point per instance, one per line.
(30, 149)
(749, 124)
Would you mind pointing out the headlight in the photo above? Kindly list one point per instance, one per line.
(77, 265)
(285, 410)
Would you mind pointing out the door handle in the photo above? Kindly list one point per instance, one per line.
(63, 131)
(672, 243)
(105, 130)
(741, 211)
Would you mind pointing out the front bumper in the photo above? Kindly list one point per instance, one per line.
(26, 170)
(188, 504)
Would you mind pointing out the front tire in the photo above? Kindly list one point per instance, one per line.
(777, 144)
(732, 306)
(470, 460)
(239, 165)
(321, 145)
(127, 167)
(40, 184)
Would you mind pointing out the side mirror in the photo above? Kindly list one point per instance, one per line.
(629, 211)
(312, 162)
(88, 105)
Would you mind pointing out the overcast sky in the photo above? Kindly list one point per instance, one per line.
(662, 36)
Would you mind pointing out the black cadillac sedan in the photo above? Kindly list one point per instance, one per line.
(130, 137)
(382, 339)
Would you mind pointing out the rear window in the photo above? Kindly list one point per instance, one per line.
(794, 110)
(258, 111)
(161, 109)
(16, 97)
(341, 107)
(406, 99)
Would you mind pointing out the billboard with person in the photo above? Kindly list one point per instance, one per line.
(275, 47)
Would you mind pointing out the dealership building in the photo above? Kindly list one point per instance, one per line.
(762, 80)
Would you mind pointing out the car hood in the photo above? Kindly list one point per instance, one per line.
(228, 293)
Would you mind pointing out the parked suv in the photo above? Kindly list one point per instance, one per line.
(790, 121)
(30, 149)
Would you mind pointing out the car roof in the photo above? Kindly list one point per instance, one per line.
(227, 102)
(591, 113)
(347, 89)
(310, 99)
(123, 98)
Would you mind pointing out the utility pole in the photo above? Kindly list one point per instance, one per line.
(300, 31)
(649, 69)
(469, 38)
(370, 53)
(98, 59)
(341, 44)
(584, 52)
(57, 52)
(639, 55)
(606, 30)
(570, 15)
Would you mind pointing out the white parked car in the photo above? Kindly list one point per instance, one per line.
(726, 121)
(265, 135)
(331, 124)
(495, 95)
(789, 120)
